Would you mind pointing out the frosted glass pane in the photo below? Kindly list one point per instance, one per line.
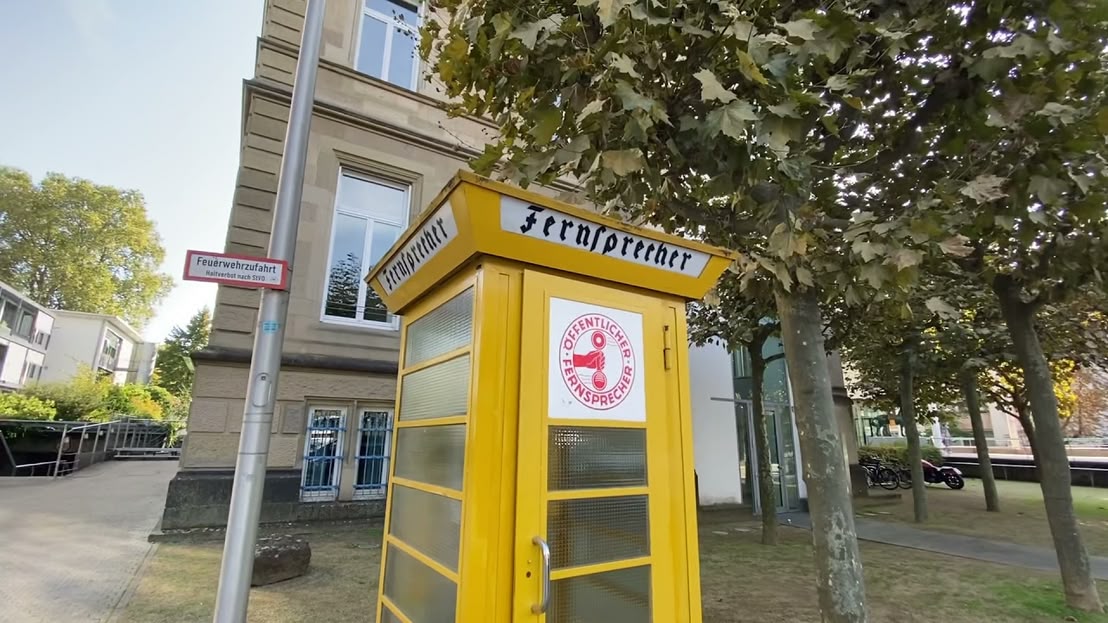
(418, 591)
(593, 458)
(448, 328)
(387, 616)
(595, 530)
(430, 523)
(439, 391)
(432, 454)
(613, 596)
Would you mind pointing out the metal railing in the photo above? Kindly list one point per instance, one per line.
(123, 438)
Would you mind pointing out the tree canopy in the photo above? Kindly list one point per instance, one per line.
(69, 243)
(173, 368)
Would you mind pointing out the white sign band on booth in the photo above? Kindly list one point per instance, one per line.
(435, 234)
(520, 217)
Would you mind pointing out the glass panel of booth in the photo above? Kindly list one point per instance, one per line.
(447, 328)
(425, 501)
(621, 595)
(438, 391)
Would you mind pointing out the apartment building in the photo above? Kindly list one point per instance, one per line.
(101, 342)
(380, 147)
(25, 336)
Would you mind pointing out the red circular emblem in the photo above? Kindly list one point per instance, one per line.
(597, 361)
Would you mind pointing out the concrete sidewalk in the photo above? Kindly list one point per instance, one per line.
(70, 547)
(903, 535)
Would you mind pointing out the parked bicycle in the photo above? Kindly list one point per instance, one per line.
(880, 475)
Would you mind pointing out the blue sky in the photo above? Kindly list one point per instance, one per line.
(140, 94)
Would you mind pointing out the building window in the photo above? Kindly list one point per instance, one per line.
(374, 444)
(323, 454)
(8, 316)
(369, 216)
(109, 352)
(387, 48)
(31, 372)
(26, 325)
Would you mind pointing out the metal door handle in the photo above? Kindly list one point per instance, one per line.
(544, 597)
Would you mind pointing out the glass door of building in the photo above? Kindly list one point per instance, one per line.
(782, 451)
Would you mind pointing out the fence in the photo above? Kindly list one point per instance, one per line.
(79, 445)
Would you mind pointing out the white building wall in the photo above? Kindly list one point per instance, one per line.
(715, 436)
(75, 341)
(11, 375)
(123, 362)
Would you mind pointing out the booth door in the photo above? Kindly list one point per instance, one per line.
(598, 458)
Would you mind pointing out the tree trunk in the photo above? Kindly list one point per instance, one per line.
(842, 593)
(985, 464)
(1049, 448)
(911, 429)
(767, 498)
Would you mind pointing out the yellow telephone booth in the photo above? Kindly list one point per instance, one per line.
(542, 456)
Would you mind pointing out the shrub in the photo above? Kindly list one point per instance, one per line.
(22, 407)
(897, 454)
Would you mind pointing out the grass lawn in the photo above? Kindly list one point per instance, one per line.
(1022, 518)
(743, 581)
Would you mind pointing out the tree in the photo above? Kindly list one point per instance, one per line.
(1090, 411)
(898, 362)
(20, 407)
(72, 244)
(741, 315)
(173, 368)
(845, 141)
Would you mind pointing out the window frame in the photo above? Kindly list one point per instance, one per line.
(378, 491)
(390, 23)
(330, 494)
(393, 324)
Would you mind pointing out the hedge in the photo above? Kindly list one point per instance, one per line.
(897, 454)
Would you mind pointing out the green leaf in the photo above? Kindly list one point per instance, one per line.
(804, 276)
(528, 33)
(941, 308)
(623, 64)
(1047, 189)
(956, 245)
(838, 82)
(631, 99)
(1102, 121)
(592, 107)
(639, 13)
(802, 28)
(907, 258)
(985, 188)
(548, 122)
(1007, 222)
(608, 10)
(750, 69)
(1082, 180)
(853, 102)
(732, 118)
(785, 109)
(875, 274)
(1061, 112)
(711, 89)
(623, 162)
(740, 29)
(1022, 45)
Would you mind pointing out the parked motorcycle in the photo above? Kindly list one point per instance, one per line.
(934, 474)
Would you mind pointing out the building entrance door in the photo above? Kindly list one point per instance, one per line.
(782, 452)
(599, 457)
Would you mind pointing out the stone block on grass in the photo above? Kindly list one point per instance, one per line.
(280, 558)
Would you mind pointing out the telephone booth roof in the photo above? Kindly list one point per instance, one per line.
(474, 216)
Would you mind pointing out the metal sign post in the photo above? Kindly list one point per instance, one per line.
(269, 336)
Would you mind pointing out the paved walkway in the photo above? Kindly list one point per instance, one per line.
(903, 535)
(69, 547)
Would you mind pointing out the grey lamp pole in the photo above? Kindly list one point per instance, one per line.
(269, 336)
